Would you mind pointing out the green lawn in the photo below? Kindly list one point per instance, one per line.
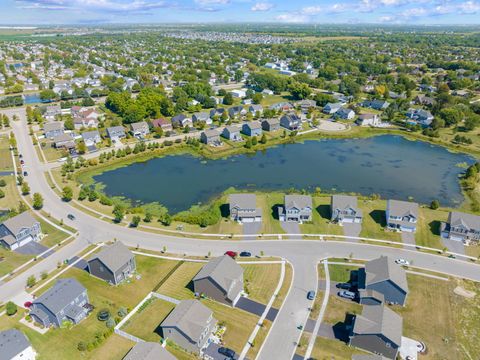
(10, 260)
(374, 221)
(178, 285)
(261, 281)
(340, 273)
(428, 227)
(5, 157)
(12, 197)
(321, 218)
(52, 235)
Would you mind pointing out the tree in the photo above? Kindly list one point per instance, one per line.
(2, 194)
(25, 188)
(31, 281)
(148, 217)
(68, 124)
(3, 183)
(228, 99)
(254, 140)
(248, 143)
(118, 213)
(263, 139)
(299, 90)
(67, 193)
(135, 221)
(37, 201)
(434, 205)
(11, 308)
(81, 148)
(257, 98)
(47, 95)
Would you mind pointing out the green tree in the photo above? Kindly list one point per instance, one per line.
(263, 139)
(434, 205)
(135, 221)
(47, 95)
(11, 308)
(67, 193)
(25, 188)
(248, 143)
(37, 201)
(254, 140)
(31, 281)
(118, 213)
(2, 194)
(228, 99)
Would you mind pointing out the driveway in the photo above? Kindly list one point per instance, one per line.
(291, 228)
(212, 351)
(81, 265)
(408, 238)
(255, 308)
(33, 248)
(454, 246)
(352, 229)
(252, 228)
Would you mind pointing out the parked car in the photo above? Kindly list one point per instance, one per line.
(25, 173)
(346, 294)
(22, 162)
(71, 216)
(227, 352)
(402, 262)
(245, 254)
(20, 156)
(345, 286)
(232, 254)
(311, 295)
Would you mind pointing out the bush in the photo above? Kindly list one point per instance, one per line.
(11, 308)
(2, 194)
(82, 346)
(110, 323)
(3, 183)
(122, 312)
(103, 315)
(435, 204)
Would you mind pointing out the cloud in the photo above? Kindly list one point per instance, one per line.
(293, 18)
(311, 10)
(262, 6)
(414, 12)
(94, 5)
(469, 7)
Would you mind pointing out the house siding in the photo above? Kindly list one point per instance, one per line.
(211, 289)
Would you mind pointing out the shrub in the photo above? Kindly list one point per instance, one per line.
(110, 323)
(82, 346)
(122, 312)
(103, 315)
(435, 204)
(3, 183)
(11, 308)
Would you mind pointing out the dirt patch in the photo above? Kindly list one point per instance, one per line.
(463, 292)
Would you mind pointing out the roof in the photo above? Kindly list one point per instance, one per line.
(384, 269)
(254, 125)
(61, 295)
(62, 138)
(53, 126)
(139, 125)
(272, 121)
(90, 134)
(402, 208)
(160, 122)
(115, 129)
(148, 351)
(366, 116)
(379, 319)
(298, 201)
(114, 256)
(190, 317)
(243, 201)
(345, 202)
(211, 133)
(225, 272)
(456, 218)
(16, 223)
(232, 128)
(12, 343)
(368, 357)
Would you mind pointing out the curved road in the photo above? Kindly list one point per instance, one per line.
(302, 254)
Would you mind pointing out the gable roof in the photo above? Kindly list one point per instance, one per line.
(345, 202)
(379, 319)
(243, 201)
(60, 295)
(190, 317)
(53, 126)
(114, 256)
(12, 343)
(16, 223)
(139, 125)
(225, 272)
(148, 351)
(402, 208)
(469, 221)
(90, 134)
(384, 269)
(298, 201)
(369, 357)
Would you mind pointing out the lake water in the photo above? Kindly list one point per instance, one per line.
(387, 165)
(32, 98)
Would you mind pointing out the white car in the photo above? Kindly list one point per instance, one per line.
(346, 294)
(402, 262)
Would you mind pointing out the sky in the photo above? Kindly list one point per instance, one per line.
(84, 12)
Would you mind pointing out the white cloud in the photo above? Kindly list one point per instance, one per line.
(96, 5)
(292, 18)
(262, 6)
(414, 12)
(469, 7)
(311, 10)
(212, 2)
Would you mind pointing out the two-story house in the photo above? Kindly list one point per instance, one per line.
(402, 215)
(298, 208)
(243, 208)
(344, 209)
(462, 227)
(19, 230)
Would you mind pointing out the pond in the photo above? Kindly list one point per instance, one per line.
(390, 166)
(33, 98)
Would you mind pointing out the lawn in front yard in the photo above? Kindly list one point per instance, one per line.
(52, 234)
(321, 218)
(10, 260)
(374, 220)
(261, 280)
(12, 197)
(428, 227)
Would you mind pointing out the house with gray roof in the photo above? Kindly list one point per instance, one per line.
(306, 105)
(375, 104)
(386, 278)
(53, 129)
(243, 208)
(91, 138)
(67, 300)
(148, 351)
(201, 116)
(114, 263)
(19, 230)
(332, 108)
(189, 325)
(368, 357)
(220, 279)
(298, 208)
(368, 120)
(14, 345)
(378, 330)
(64, 141)
(255, 109)
(291, 121)
(232, 132)
(253, 128)
(344, 209)
(116, 132)
(140, 128)
(462, 227)
(235, 111)
(210, 137)
(271, 124)
(344, 114)
(402, 215)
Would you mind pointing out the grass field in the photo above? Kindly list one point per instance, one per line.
(321, 218)
(11, 260)
(12, 197)
(261, 281)
(374, 221)
(5, 157)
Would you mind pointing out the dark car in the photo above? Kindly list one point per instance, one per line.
(245, 254)
(232, 254)
(344, 286)
(71, 216)
(311, 295)
(227, 352)
(20, 156)
(22, 162)
(25, 173)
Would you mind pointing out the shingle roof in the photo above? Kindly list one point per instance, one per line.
(211, 133)
(456, 218)
(53, 126)
(225, 272)
(378, 319)
(298, 201)
(383, 269)
(368, 357)
(243, 201)
(345, 202)
(190, 317)
(114, 256)
(60, 295)
(148, 351)
(12, 343)
(16, 223)
(139, 125)
(402, 208)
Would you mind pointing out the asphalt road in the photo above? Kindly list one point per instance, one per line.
(303, 255)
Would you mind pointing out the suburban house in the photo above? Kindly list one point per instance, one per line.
(385, 277)
(82, 122)
(462, 227)
(255, 108)
(181, 120)
(63, 141)
(370, 297)
(67, 300)
(19, 230)
(116, 132)
(189, 325)
(239, 93)
(114, 263)
(201, 116)
(220, 279)
(232, 132)
(345, 209)
(51, 112)
(210, 137)
(162, 123)
(331, 108)
(306, 105)
(375, 104)
(402, 215)
(344, 113)
(378, 330)
(298, 208)
(282, 106)
(253, 128)
(420, 116)
(271, 124)
(267, 92)
(243, 208)
(291, 121)
(53, 129)
(236, 111)
(140, 128)
(217, 112)
(423, 100)
(368, 120)
(91, 138)
(148, 351)
(14, 345)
